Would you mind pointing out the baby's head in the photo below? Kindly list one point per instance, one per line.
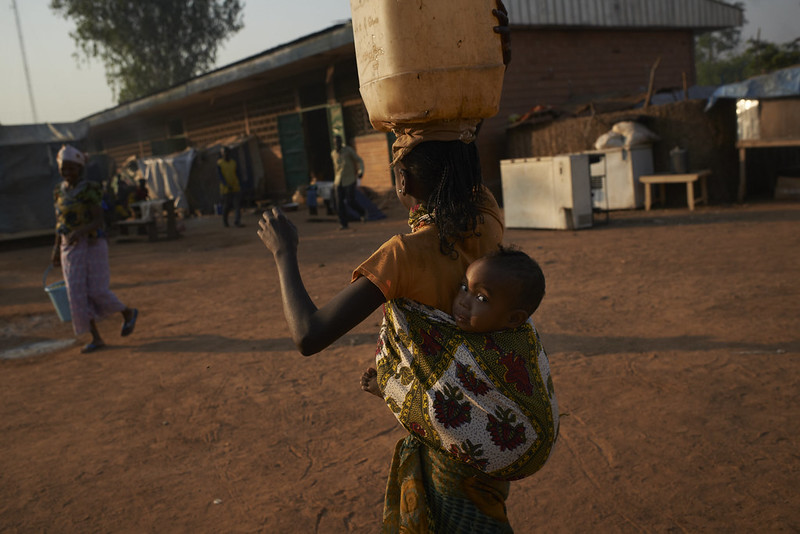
(499, 291)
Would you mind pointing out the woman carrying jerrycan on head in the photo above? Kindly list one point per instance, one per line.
(454, 221)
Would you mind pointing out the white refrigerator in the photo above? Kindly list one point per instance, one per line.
(615, 176)
(550, 193)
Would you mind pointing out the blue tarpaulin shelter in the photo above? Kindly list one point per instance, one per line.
(778, 84)
(766, 107)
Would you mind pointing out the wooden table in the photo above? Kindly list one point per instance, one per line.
(149, 211)
(689, 179)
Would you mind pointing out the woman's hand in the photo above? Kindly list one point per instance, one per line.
(501, 13)
(277, 232)
(74, 236)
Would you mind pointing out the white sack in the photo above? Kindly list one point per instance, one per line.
(609, 139)
(635, 134)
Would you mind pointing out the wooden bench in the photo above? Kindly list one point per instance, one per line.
(153, 216)
(689, 179)
(148, 224)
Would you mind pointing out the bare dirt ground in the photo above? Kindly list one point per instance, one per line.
(674, 338)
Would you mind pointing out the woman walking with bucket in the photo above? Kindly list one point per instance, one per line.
(81, 250)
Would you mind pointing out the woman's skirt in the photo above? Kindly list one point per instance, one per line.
(87, 276)
(429, 492)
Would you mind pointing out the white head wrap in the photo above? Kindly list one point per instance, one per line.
(70, 153)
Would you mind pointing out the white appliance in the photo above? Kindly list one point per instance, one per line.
(552, 193)
(615, 177)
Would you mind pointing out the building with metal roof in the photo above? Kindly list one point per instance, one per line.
(295, 96)
(698, 15)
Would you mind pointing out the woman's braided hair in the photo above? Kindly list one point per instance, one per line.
(451, 171)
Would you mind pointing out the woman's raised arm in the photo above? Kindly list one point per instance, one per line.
(313, 329)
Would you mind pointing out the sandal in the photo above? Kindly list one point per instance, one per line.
(91, 347)
(129, 325)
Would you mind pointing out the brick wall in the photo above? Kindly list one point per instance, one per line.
(236, 115)
(374, 150)
(120, 153)
(203, 124)
(552, 67)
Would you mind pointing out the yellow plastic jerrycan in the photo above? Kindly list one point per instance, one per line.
(427, 60)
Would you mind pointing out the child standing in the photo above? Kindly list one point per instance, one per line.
(311, 197)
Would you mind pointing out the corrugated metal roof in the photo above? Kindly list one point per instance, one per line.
(698, 14)
(308, 46)
(43, 132)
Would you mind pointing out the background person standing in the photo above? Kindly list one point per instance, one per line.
(348, 167)
(229, 188)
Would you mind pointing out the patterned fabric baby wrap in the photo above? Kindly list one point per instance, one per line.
(484, 399)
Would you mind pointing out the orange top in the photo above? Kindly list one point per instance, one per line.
(412, 266)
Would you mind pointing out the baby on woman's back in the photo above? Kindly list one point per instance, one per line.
(500, 291)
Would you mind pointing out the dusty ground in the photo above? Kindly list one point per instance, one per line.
(674, 340)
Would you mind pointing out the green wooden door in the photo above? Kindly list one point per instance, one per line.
(293, 148)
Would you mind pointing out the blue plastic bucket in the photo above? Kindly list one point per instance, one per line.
(57, 292)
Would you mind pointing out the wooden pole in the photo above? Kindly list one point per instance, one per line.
(329, 87)
(742, 174)
(685, 86)
(651, 86)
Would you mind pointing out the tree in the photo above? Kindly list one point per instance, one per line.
(149, 45)
(759, 57)
(762, 57)
(720, 57)
(715, 54)
(713, 46)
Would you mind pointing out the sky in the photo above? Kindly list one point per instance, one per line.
(65, 90)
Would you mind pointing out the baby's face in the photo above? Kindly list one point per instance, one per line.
(486, 300)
